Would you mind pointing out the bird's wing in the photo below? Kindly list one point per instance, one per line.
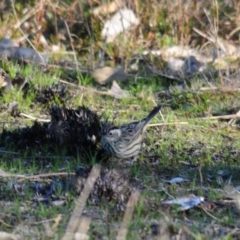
(130, 131)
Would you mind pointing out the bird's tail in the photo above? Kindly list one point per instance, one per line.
(152, 114)
(141, 126)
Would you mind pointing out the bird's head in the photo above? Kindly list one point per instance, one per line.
(110, 132)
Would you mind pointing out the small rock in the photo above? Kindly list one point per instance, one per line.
(108, 74)
(117, 92)
(7, 43)
(28, 54)
(123, 20)
(8, 48)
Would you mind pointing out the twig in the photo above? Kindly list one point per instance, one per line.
(31, 13)
(80, 203)
(233, 32)
(44, 221)
(33, 118)
(70, 38)
(9, 152)
(83, 228)
(10, 108)
(45, 175)
(159, 73)
(200, 174)
(122, 232)
(6, 225)
(25, 36)
(4, 174)
(85, 88)
(232, 116)
(163, 189)
(232, 121)
(170, 123)
(221, 117)
(219, 89)
(193, 235)
(92, 44)
(210, 215)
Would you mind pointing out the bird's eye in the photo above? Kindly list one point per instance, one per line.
(110, 133)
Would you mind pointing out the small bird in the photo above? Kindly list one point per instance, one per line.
(125, 141)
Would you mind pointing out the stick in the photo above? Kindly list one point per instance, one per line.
(219, 89)
(33, 118)
(85, 88)
(83, 228)
(80, 203)
(23, 177)
(233, 116)
(122, 232)
(163, 124)
(9, 152)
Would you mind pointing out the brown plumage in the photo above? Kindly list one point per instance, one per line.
(125, 141)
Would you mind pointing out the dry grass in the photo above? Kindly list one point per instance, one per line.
(195, 142)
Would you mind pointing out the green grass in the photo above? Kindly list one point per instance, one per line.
(198, 143)
(197, 151)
